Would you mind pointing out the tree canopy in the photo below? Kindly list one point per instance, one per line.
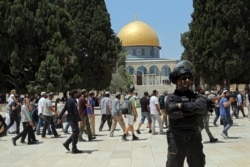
(56, 45)
(218, 40)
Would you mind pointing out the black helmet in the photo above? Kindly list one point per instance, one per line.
(183, 67)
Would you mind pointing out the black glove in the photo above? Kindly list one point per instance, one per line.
(173, 111)
(171, 107)
(177, 99)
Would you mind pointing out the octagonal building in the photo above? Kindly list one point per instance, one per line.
(143, 61)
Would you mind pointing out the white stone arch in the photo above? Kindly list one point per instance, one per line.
(154, 77)
(165, 70)
(131, 70)
(142, 69)
(154, 70)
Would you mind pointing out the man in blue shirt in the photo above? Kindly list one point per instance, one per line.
(225, 103)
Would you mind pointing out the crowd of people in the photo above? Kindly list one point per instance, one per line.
(184, 114)
(39, 115)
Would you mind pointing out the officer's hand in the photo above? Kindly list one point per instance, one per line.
(177, 99)
(170, 107)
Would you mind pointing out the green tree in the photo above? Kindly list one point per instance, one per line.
(96, 45)
(219, 40)
(54, 40)
(16, 50)
(121, 79)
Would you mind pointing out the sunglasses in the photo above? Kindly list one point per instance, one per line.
(184, 78)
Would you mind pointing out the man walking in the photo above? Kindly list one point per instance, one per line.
(207, 114)
(106, 105)
(132, 114)
(145, 113)
(49, 109)
(155, 112)
(225, 103)
(162, 102)
(14, 113)
(27, 124)
(84, 123)
(40, 108)
(117, 116)
(73, 117)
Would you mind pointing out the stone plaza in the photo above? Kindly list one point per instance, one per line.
(149, 151)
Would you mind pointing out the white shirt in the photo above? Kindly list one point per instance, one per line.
(239, 100)
(41, 105)
(47, 111)
(10, 100)
(25, 116)
(105, 105)
(153, 101)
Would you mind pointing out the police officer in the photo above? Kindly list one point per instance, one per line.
(185, 109)
(73, 118)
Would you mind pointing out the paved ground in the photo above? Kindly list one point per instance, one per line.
(149, 151)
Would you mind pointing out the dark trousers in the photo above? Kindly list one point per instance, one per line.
(240, 108)
(235, 110)
(217, 114)
(48, 120)
(181, 147)
(27, 129)
(74, 136)
(31, 135)
(108, 118)
(14, 117)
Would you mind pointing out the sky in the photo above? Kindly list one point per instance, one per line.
(169, 19)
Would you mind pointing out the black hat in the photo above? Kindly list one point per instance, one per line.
(117, 94)
(72, 92)
(130, 90)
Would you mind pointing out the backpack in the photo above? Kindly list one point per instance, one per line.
(161, 102)
(125, 108)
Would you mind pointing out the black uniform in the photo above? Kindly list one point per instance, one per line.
(3, 126)
(73, 118)
(184, 135)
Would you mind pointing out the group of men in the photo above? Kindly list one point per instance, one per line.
(112, 113)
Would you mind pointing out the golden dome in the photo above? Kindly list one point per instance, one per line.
(138, 33)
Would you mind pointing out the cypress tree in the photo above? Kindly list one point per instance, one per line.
(96, 45)
(219, 38)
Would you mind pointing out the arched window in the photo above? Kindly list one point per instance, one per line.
(165, 70)
(142, 69)
(130, 70)
(154, 70)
